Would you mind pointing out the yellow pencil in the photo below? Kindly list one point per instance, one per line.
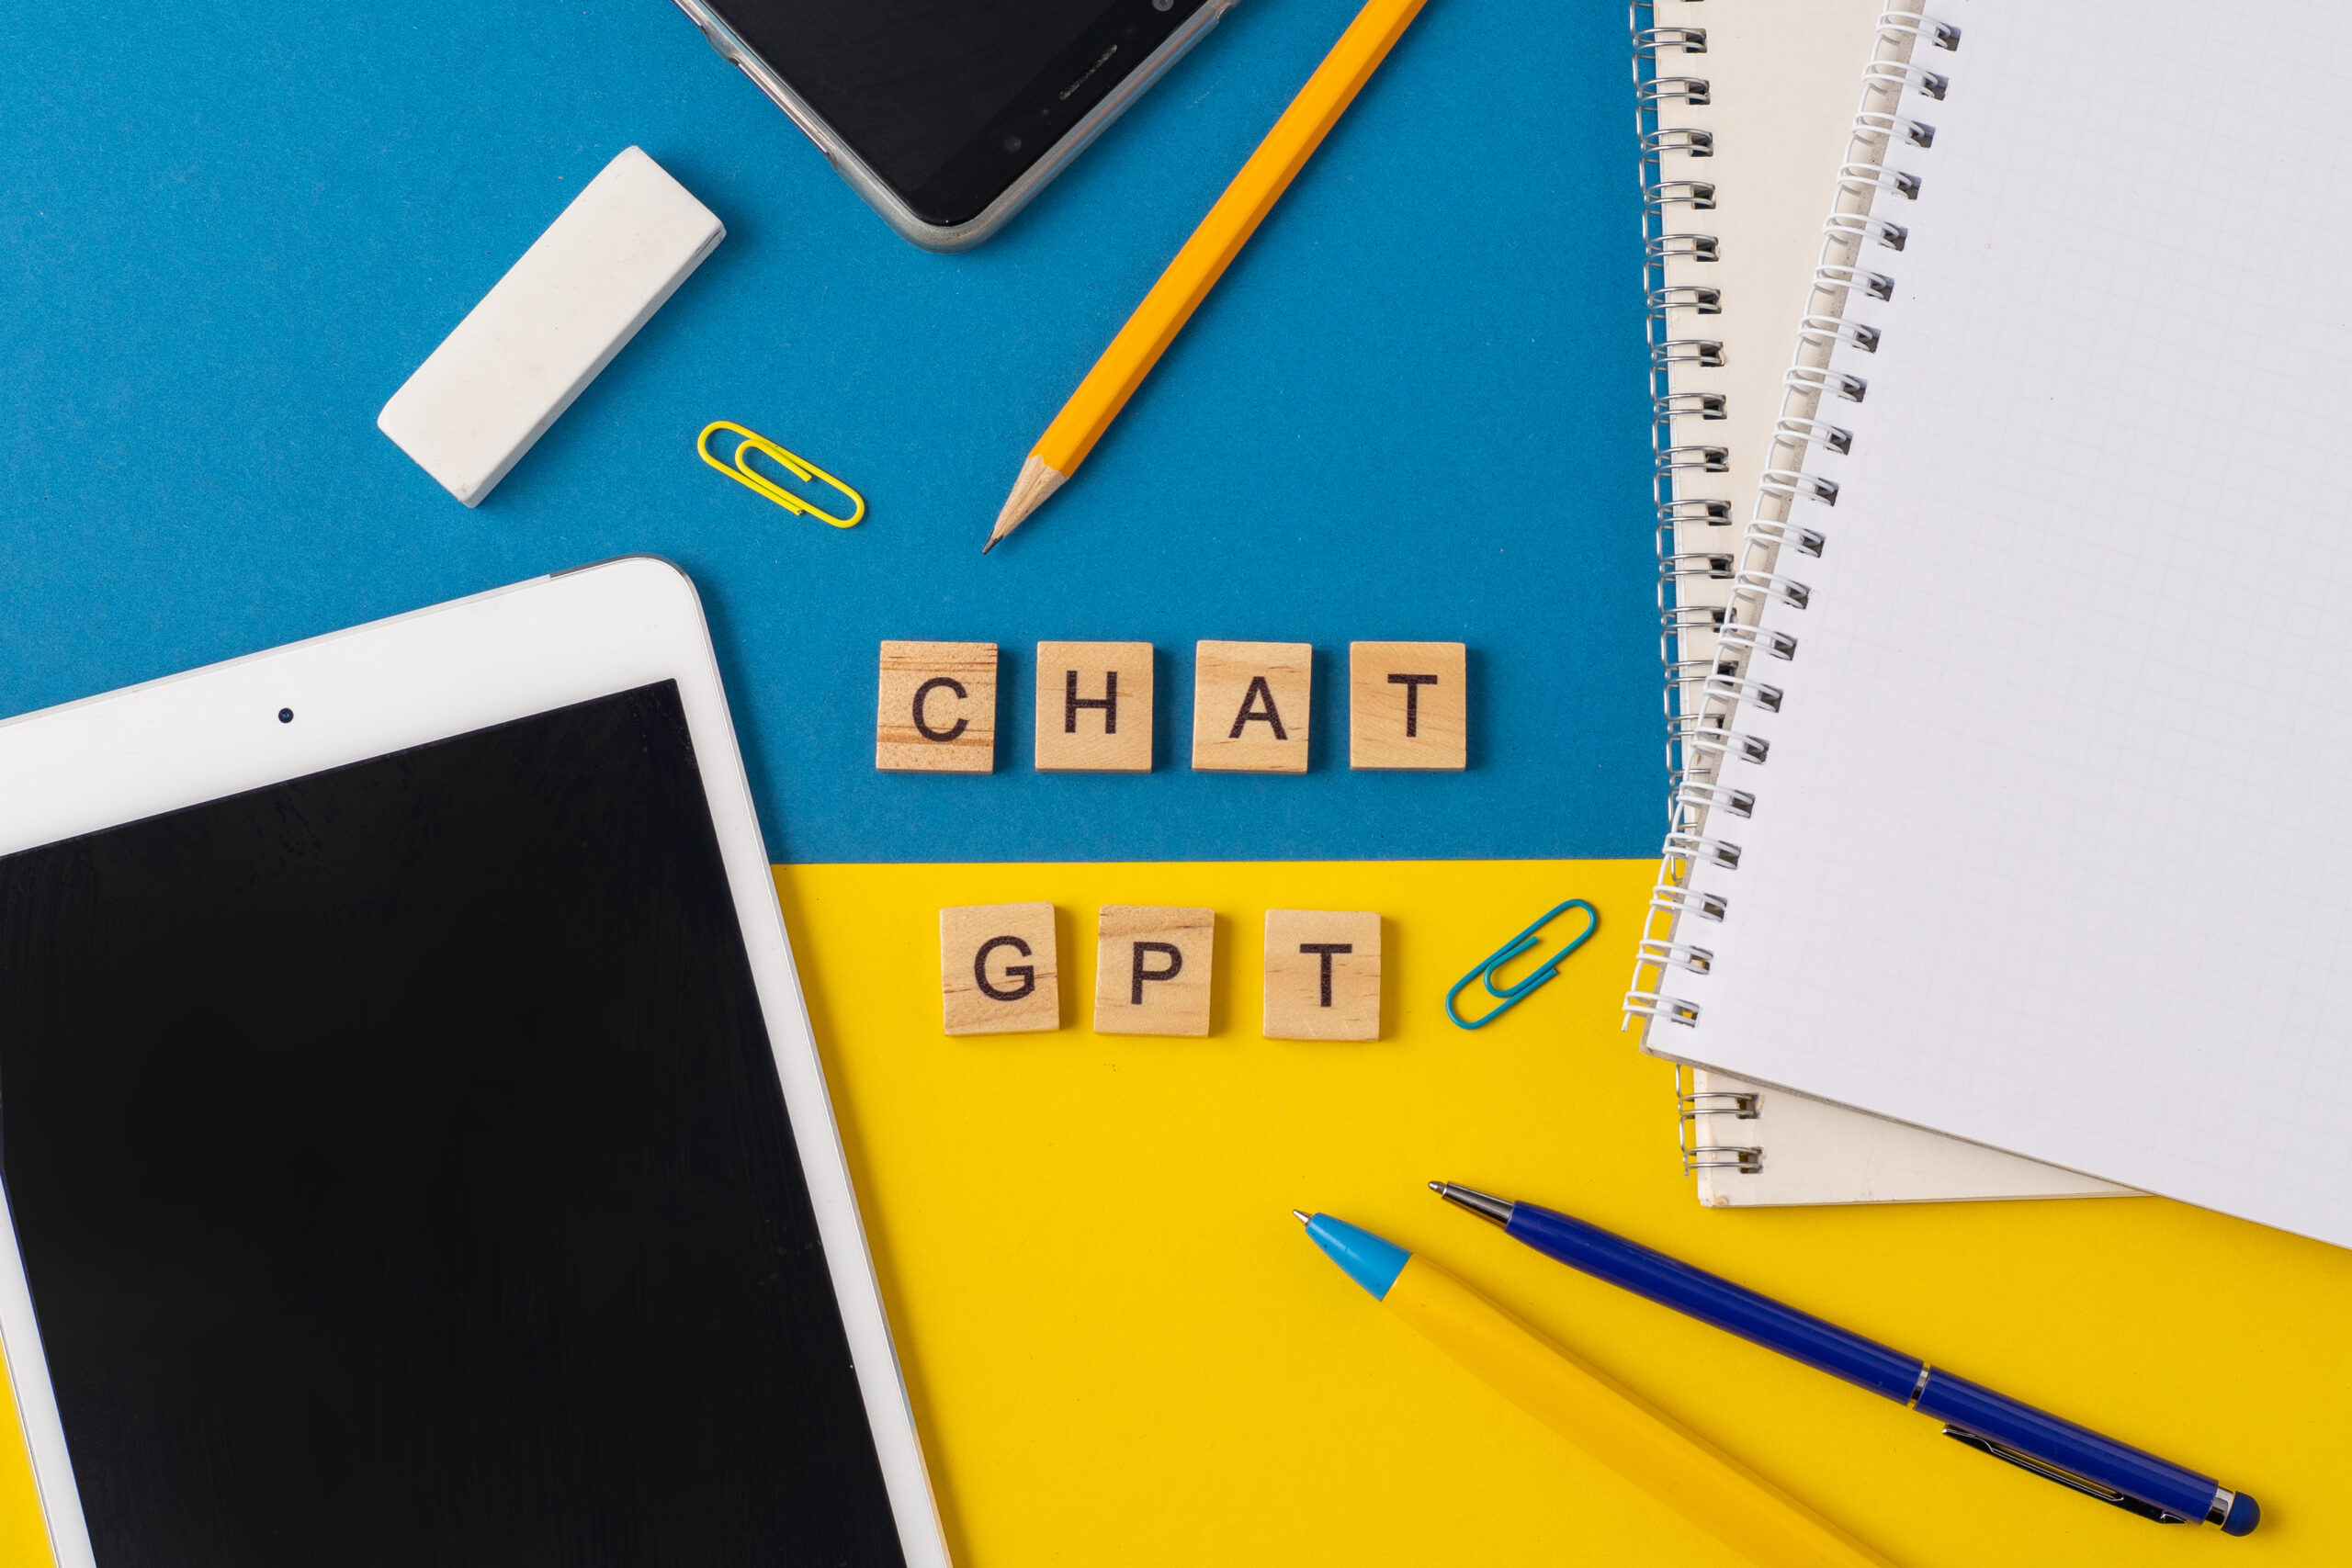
(1205, 257)
(1617, 1426)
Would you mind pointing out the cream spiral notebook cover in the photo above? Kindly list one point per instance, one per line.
(1746, 116)
(2040, 846)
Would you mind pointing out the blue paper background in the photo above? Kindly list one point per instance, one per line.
(1414, 408)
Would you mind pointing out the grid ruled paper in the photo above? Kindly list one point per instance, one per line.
(2047, 853)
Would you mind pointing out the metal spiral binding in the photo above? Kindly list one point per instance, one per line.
(1699, 196)
(1704, 352)
(1694, 297)
(1817, 382)
(1831, 279)
(1703, 737)
(1696, 563)
(1787, 483)
(1682, 139)
(1771, 639)
(1713, 741)
(1662, 248)
(1698, 846)
(1810, 541)
(1678, 901)
(1691, 618)
(1698, 459)
(1730, 688)
(1660, 90)
(1737, 1104)
(1758, 585)
(1810, 431)
(1871, 125)
(1690, 40)
(1700, 405)
(1738, 802)
(1824, 331)
(1668, 237)
(1857, 178)
(1713, 513)
(1681, 955)
(1943, 35)
(1918, 78)
(1841, 225)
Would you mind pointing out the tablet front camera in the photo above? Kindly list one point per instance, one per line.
(284, 716)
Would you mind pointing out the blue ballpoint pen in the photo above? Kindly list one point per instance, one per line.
(1990, 1423)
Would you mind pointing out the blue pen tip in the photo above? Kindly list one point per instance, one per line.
(1370, 1261)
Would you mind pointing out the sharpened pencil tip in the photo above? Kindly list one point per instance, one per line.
(1037, 481)
(1302, 1216)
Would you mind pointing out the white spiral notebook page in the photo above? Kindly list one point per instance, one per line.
(2044, 853)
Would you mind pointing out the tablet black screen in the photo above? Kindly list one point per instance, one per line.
(949, 101)
(403, 1175)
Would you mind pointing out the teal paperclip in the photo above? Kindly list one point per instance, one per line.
(1547, 970)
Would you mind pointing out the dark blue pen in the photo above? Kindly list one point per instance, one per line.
(2131, 1479)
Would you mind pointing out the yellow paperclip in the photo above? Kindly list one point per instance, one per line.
(802, 469)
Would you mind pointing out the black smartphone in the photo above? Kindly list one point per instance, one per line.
(948, 115)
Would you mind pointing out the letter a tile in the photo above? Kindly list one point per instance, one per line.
(1249, 707)
(938, 708)
(997, 973)
(1151, 970)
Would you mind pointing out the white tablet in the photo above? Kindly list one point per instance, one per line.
(414, 1146)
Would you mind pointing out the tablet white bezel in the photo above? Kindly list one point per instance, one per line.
(406, 681)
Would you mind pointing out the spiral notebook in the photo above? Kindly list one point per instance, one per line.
(1748, 115)
(2018, 823)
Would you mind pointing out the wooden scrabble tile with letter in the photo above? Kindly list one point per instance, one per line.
(1408, 705)
(1151, 970)
(938, 712)
(1322, 975)
(996, 968)
(1249, 707)
(1094, 708)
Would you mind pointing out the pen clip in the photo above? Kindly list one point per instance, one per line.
(2064, 1477)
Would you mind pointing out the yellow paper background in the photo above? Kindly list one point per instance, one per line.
(1122, 1351)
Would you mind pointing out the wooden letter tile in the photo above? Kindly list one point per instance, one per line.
(1151, 970)
(997, 972)
(1094, 708)
(938, 708)
(1249, 707)
(1408, 705)
(1322, 975)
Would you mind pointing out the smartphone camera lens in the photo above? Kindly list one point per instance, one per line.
(1164, 4)
(284, 716)
(1012, 144)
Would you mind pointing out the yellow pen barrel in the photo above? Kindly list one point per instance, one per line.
(1642, 1443)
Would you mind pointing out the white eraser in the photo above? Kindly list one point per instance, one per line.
(557, 318)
